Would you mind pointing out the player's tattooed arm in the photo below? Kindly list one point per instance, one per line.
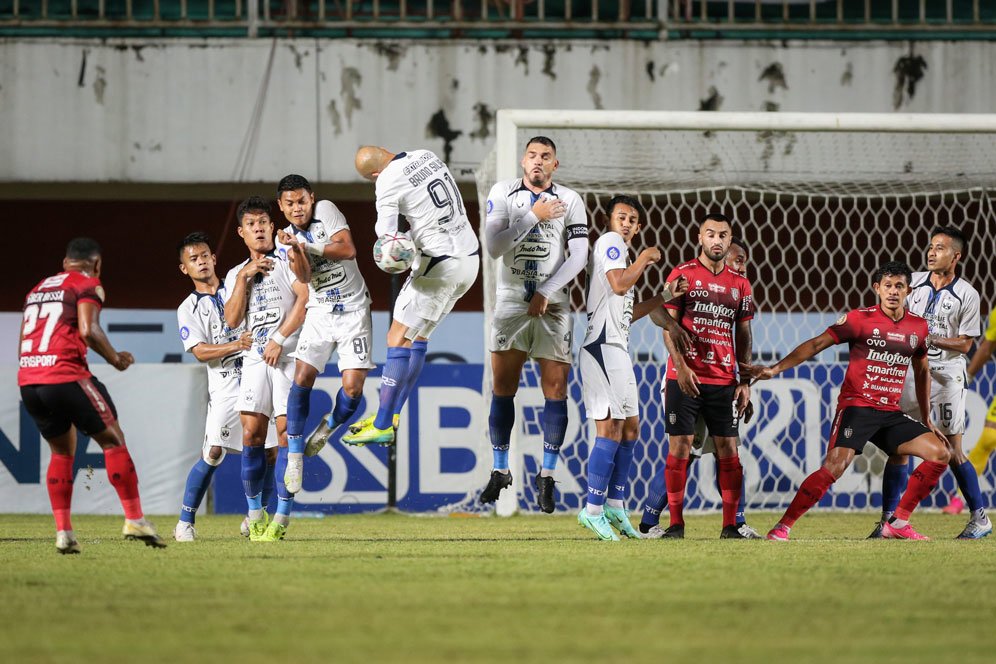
(804, 351)
(94, 337)
(688, 381)
(666, 319)
(744, 340)
(960, 344)
(206, 352)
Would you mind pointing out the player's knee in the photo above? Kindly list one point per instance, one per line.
(305, 374)
(555, 389)
(214, 455)
(352, 382)
(631, 429)
(939, 452)
(679, 447)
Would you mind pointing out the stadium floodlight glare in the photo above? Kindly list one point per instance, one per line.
(819, 198)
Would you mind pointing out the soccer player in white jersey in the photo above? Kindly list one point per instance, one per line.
(264, 294)
(201, 322)
(337, 319)
(951, 306)
(609, 386)
(418, 185)
(539, 230)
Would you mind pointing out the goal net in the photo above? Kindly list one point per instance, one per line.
(820, 201)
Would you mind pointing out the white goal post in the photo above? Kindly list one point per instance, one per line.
(819, 198)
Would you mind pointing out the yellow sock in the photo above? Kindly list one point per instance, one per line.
(979, 456)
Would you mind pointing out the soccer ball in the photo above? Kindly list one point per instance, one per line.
(394, 253)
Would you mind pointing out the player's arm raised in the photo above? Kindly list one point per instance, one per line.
(340, 246)
(290, 325)
(654, 307)
(296, 256)
(804, 351)
(94, 337)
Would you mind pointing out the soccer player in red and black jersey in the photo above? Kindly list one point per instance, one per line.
(884, 341)
(62, 319)
(716, 310)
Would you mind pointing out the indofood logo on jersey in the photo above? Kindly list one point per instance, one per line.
(712, 308)
(886, 357)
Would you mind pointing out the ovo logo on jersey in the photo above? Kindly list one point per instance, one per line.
(698, 293)
(875, 342)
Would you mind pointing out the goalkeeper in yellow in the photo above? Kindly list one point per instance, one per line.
(984, 447)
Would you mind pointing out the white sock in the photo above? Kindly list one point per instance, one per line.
(503, 471)
(617, 503)
(593, 510)
(255, 515)
(281, 519)
(546, 473)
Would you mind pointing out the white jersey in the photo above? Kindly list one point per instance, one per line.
(270, 298)
(542, 250)
(950, 312)
(336, 285)
(418, 185)
(201, 320)
(609, 315)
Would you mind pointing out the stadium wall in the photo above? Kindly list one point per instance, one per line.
(167, 111)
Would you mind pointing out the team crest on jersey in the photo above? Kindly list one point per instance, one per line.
(672, 418)
(914, 340)
(184, 333)
(841, 320)
(502, 340)
(612, 253)
(947, 306)
(249, 396)
(320, 234)
(735, 292)
(226, 433)
(848, 432)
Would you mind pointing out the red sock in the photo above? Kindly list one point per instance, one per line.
(60, 489)
(731, 480)
(812, 490)
(922, 481)
(675, 476)
(124, 479)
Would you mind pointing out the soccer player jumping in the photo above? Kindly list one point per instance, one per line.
(61, 320)
(884, 341)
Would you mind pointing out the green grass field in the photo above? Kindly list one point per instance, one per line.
(400, 588)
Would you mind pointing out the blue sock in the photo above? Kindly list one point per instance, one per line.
(968, 482)
(298, 405)
(742, 505)
(285, 499)
(391, 383)
(198, 481)
(620, 471)
(656, 500)
(600, 464)
(415, 364)
(345, 406)
(554, 430)
(253, 470)
(268, 486)
(894, 479)
(500, 423)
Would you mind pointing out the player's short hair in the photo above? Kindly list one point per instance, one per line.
(623, 199)
(82, 249)
(960, 240)
(716, 216)
(252, 204)
(191, 239)
(893, 269)
(543, 140)
(293, 182)
(740, 243)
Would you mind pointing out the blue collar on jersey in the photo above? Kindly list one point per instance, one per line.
(216, 298)
(400, 155)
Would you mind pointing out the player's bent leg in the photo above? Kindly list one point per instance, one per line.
(347, 400)
(812, 490)
(894, 478)
(922, 481)
(379, 428)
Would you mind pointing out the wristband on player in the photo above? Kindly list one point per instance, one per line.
(278, 338)
(314, 248)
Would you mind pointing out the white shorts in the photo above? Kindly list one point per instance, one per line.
(947, 398)
(223, 428)
(348, 333)
(547, 337)
(264, 389)
(431, 291)
(608, 384)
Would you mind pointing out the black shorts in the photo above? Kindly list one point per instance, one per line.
(853, 426)
(56, 407)
(714, 404)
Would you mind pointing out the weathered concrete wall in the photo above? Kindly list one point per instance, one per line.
(186, 111)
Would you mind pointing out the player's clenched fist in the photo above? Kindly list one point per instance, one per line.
(244, 342)
(678, 287)
(549, 208)
(124, 360)
(650, 256)
(271, 354)
(283, 237)
(261, 265)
